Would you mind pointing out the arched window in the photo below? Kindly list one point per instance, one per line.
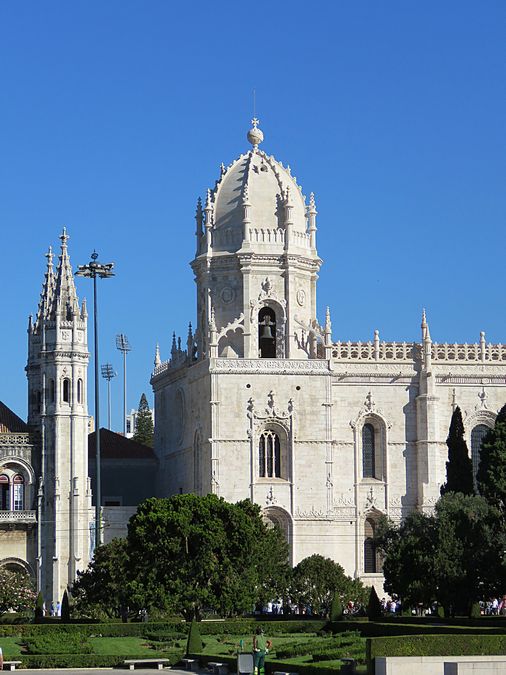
(79, 390)
(51, 391)
(269, 455)
(4, 493)
(66, 390)
(368, 451)
(370, 558)
(477, 435)
(18, 493)
(267, 333)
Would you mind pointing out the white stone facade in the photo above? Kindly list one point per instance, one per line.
(58, 413)
(325, 436)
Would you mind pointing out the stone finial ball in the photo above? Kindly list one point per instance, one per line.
(255, 136)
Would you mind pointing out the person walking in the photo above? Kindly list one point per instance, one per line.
(261, 647)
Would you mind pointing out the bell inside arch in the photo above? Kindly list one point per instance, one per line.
(266, 333)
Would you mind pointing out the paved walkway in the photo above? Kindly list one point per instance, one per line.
(94, 671)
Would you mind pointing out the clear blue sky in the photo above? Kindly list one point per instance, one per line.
(116, 115)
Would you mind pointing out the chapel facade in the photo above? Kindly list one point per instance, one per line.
(262, 403)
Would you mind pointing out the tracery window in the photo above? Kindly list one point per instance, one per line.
(18, 493)
(12, 492)
(368, 451)
(4, 492)
(370, 554)
(269, 455)
(477, 436)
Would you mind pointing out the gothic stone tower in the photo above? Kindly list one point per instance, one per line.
(57, 407)
(240, 382)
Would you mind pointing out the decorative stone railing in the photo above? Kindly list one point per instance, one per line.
(376, 351)
(486, 353)
(18, 517)
(412, 351)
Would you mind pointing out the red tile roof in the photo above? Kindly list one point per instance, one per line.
(10, 422)
(116, 446)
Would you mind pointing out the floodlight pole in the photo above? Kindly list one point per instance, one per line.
(108, 373)
(93, 270)
(124, 346)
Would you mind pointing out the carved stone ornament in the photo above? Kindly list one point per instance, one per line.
(270, 500)
(227, 295)
(369, 408)
(370, 500)
(311, 514)
(301, 297)
(267, 293)
(271, 411)
(232, 326)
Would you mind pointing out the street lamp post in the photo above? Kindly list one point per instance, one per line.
(108, 373)
(93, 270)
(124, 346)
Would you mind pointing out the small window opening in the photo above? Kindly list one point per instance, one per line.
(66, 390)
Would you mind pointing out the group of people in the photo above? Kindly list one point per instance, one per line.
(494, 606)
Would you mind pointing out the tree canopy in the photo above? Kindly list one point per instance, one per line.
(459, 467)
(316, 581)
(144, 428)
(454, 556)
(189, 554)
(491, 477)
(17, 591)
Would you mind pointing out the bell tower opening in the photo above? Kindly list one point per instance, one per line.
(267, 333)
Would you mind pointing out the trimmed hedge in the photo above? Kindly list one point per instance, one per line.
(374, 629)
(85, 660)
(93, 630)
(437, 645)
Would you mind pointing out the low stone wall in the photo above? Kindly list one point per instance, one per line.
(435, 665)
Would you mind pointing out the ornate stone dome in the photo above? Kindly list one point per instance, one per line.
(263, 183)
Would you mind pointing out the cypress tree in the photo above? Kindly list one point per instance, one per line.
(144, 428)
(459, 467)
(374, 611)
(491, 476)
(336, 608)
(194, 644)
(39, 608)
(65, 608)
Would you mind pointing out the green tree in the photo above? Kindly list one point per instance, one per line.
(39, 607)
(144, 425)
(408, 550)
(374, 611)
(194, 643)
(454, 557)
(459, 467)
(336, 608)
(106, 588)
(16, 591)
(468, 561)
(491, 476)
(192, 553)
(316, 580)
(65, 608)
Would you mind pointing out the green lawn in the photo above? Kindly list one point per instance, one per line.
(11, 647)
(130, 646)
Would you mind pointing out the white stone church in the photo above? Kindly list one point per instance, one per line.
(262, 404)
